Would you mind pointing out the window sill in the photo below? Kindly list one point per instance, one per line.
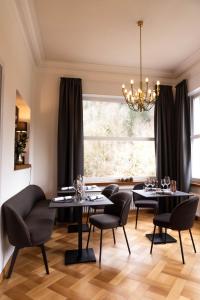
(22, 166)
(195, 183)
(120, 183)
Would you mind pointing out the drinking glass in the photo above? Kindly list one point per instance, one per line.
(167, 181)
(153, 183)
(163, 183)
(147, 183)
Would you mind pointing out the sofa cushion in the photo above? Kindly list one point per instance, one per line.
(40, 222)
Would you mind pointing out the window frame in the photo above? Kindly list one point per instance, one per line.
(193, 95)
(119, 100)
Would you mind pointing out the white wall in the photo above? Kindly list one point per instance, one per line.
(17, 75)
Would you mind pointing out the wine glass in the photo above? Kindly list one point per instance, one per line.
(167, 181)
(153, 183)
(162, 182)
(146, 183)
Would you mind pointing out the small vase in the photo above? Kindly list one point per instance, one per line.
(20, 159)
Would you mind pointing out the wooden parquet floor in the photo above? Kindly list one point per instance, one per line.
(138, 276)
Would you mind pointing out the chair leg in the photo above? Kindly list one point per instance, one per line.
(88, 239)
(181, 247)
(14, 256)
(136, 220)
(88, 214)
(192, 240)
(154, 230)
(44, 258)
(113, 231)
(100, 247)
(165, 235)
(126, 240)
(95, 211)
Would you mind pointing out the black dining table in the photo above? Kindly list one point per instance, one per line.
(163, 195)
(79, 255)
(70, 191)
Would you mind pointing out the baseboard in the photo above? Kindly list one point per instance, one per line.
(4, 271)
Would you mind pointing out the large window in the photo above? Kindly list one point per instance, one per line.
(117, 141)
(195, 136)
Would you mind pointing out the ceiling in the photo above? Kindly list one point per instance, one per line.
(105, 32)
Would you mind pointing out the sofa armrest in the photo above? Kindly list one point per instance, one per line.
(17, 230)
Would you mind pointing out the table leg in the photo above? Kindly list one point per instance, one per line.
(79, 255)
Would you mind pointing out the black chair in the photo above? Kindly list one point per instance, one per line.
(108, 191)
(114, 216)
(141, 202)
(181, 218)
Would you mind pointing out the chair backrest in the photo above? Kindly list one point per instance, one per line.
(16, 209)
(183, 215)
(121, 206)
(136, 197)
(110, 189)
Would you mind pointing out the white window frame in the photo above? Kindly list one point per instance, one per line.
(113, 99)
(193, 95)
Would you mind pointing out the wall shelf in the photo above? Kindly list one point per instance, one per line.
(22, 166)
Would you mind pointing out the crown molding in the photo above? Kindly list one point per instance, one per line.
(30, 26)
(87, 67)
(187, 64)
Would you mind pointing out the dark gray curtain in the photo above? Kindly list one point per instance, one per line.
(164, 133)
(165, 142)
(70, 131)
(70, 138)
(183, 143)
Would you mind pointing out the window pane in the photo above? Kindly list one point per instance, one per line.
(119, 158)
(196, 114)
(107, 119)
(195, 158)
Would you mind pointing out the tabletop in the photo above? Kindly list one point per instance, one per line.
(154, 194)
(87, 188)
(74, 202)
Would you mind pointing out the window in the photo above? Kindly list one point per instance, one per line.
(117, 141)
(195, 136)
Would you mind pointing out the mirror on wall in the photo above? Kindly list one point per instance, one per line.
(22, 133)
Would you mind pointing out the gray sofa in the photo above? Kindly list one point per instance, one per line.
(28, 221)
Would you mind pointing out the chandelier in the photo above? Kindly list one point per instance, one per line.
(143, 98)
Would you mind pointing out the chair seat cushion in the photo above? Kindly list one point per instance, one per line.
(104, 221)
(146, 203)
(162, 220)
(40, 222)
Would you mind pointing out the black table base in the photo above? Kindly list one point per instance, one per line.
(77, 256)
(160, 238)
(75, 228)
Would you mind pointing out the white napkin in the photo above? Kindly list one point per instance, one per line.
(64, 188)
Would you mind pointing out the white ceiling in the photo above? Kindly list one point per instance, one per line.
(106, 32)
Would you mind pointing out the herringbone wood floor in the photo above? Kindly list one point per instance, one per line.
(138, 276)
